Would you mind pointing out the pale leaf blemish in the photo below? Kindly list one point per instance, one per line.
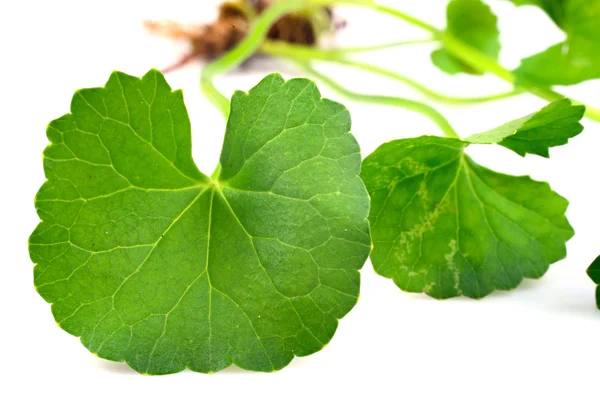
(450, 258)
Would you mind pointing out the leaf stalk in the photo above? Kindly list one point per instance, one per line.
(408, 104)
(306, 54)
(464, 52)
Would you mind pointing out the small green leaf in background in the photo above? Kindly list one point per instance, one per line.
(152, 262)
(444, 225)
(575, 60)
(473, 22)
(594, 273)
(552, 126)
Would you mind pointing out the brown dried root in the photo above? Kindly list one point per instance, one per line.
(213, 40)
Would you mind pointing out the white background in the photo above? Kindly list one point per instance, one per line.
(539, 341)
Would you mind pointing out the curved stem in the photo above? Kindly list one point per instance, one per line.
(216, 172)
(440, 97)
(243, 51)
(482, 62)
(252, 42)
(412, 105)
(340, 52)
(456, 47)
(305, 53)
(475, 58)
(405, 17)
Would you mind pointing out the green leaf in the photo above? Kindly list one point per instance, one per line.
(150, 261)
(552, 126)
(444, 225)
(473, 22)
(575, 60)
(594, 273)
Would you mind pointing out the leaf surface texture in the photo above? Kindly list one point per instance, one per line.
(152, 262)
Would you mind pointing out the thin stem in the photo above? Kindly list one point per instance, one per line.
(482, 62)
(459, 49)
(252, 42)
(243, 51)
(365, 49)
(405, 17)
(306, 53)
(440, 97)
(216, 172)
(475, 58)
(411, 105)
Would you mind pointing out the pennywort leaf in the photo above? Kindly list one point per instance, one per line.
(552, 126)
(575, 60)
(594, 273)
(473, 22)
(444, 225)
(152, 262)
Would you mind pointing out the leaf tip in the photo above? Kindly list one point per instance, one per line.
(593, 270)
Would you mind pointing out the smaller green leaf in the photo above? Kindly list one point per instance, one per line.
(552, 126)
(447, 226)
(594, 273)
(568, 63)
(575, 60)
(473, 22)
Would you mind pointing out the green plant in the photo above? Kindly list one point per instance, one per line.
(150, 261)
(514, 233)
(445, 225)
(594, 274)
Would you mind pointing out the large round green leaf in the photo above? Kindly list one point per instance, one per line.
(152, 262)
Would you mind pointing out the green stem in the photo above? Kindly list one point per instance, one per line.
(251, 44)
(377, 47)
(436, 96)
(475, 58)
(306, 53)
(456, 47)
(216, 172)
(482, 62)
(412, 105)
(405, 17)
(478, 60)
(280, 48)
(243, 51)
